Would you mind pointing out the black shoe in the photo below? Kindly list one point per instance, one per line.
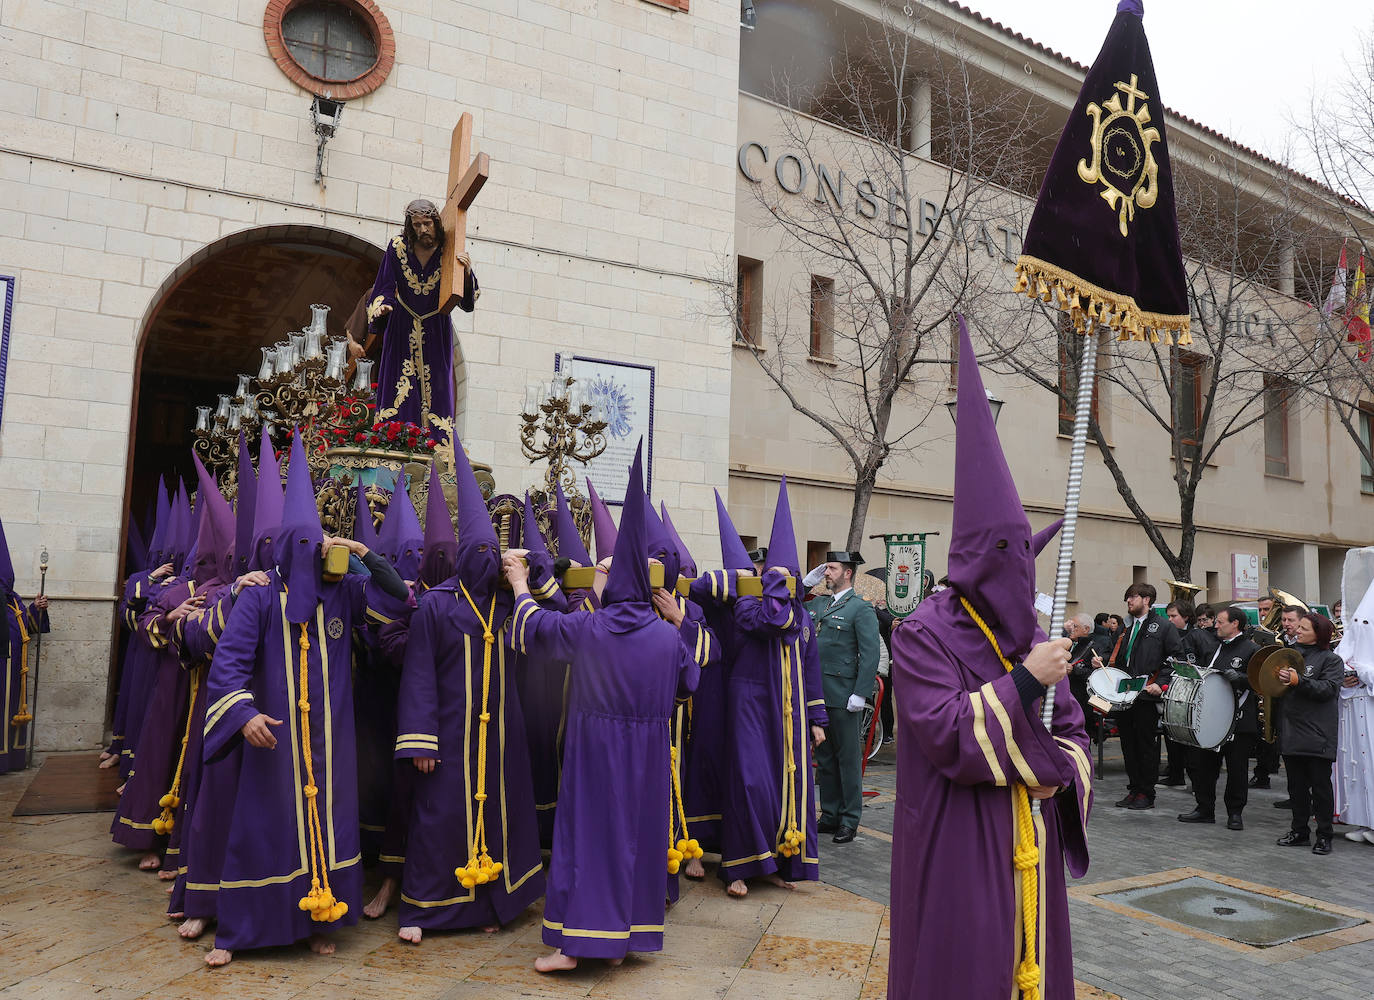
(1322, 846)
(1172, 782)
(1233, 822)
(844, 836)
(1197, 816)
(1126, 802)
(1260, 781)
(1294, 839)
(1284, 804)
(827, 826)
(1142, 801)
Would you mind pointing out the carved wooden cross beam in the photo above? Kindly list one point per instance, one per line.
(465, 180)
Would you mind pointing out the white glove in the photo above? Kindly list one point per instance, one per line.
(855, 704)
(814, 577)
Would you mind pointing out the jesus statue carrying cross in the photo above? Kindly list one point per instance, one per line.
(417, 287)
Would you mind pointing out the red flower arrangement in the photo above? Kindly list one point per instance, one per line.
(356, 427)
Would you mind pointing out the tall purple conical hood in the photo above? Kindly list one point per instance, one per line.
(479, 551)
(603, 525)
(570, 544)
(782, 541)
(184, 530)
(687, 564)
(733, 554)
(245, 502)
(440, 543)
(296, 550)
(530, 536)
(628, 582)
(401, 538)
(660, 545)
(364, 528)
(135, 546)
(6, 564)
(990, 558)
(162, 525)
(214, 556)
(268, 505)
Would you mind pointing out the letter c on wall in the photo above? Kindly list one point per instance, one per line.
(743, 159)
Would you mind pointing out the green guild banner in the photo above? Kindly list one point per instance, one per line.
(906, 563)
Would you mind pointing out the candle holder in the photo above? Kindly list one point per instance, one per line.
(561, 428)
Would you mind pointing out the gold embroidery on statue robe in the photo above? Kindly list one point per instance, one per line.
(412, 279)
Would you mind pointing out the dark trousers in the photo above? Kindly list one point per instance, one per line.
(1267, 754)
(1204, 767)
(1137, 725)
(839, 769)
(885, 712)
(1176, 755)
(1309, 789)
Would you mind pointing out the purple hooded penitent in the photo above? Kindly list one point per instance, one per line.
(401, 539)
(627, 668)
(181, 534)
(214, 557)
(162, 525)
(296, 550)
(135, 546)
(603, 525)
(570, 544)
(245, 502)
(530, 536)
(965, 736)
(440, 544)
(14, 736)
(364, 528)
(268, 505)
(661, 545)
(782, 542)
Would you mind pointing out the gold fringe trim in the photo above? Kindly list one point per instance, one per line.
(1084, 301)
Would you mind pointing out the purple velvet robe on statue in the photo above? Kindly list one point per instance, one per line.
(256, 668)
(606, 879)
(415, 377)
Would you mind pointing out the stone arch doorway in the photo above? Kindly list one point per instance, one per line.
(208, 320)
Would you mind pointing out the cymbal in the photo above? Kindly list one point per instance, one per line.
(1264, 666)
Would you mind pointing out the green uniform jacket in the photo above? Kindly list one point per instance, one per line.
(847, 631)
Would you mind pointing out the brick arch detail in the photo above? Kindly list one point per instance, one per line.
(381, 31)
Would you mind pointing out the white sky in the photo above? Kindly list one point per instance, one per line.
(1246, 68)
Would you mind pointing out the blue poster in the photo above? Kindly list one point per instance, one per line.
(626, 394)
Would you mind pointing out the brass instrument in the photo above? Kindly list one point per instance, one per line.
(1182, 591)
(1282, 600)
(1263, 672)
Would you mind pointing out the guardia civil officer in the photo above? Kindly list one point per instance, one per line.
(847, 633)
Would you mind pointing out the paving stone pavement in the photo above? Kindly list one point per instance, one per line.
(78, 920)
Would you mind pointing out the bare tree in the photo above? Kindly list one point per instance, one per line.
(1339, 131)
(902, 241)
(1236, 234)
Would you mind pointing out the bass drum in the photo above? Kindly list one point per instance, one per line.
(1200, 712)
(1105, 681)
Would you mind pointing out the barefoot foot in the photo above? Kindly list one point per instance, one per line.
(737, 888)
(555, 962)
(176, 916)
(167, 875)
(377, 905)
(491, 928)
(615, 962)
(192, 929)
(149, 862)
(321, 945)
(779, 881)
(695, 869)
(411, 934)
(218, 957)
(120, 789)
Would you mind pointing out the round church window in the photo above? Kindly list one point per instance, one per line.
(336, 48)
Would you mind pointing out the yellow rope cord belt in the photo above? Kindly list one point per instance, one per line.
(23, 716)
(682, 848)
(320, 899)
(1025, 856)
(169, 802)
(792, 837)
(480, 868)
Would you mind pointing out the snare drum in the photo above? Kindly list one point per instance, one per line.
(1200, 712)
(1105, 683)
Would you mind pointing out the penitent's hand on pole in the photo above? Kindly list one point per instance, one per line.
(517, 572)
(1049, 661)
(41, 602)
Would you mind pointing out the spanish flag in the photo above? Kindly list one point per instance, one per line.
(1102, 244)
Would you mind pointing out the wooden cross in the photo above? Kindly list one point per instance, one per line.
(465, 180)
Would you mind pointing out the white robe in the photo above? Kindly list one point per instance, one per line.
(1352, 775)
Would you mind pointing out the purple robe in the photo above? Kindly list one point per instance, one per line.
(131, 672)
(774, 663)
(703, 738)
(611, 838)
(256, 668)
(964, 737)
(159, 745)
(415, 377)
(24, 622)
(437, 717)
